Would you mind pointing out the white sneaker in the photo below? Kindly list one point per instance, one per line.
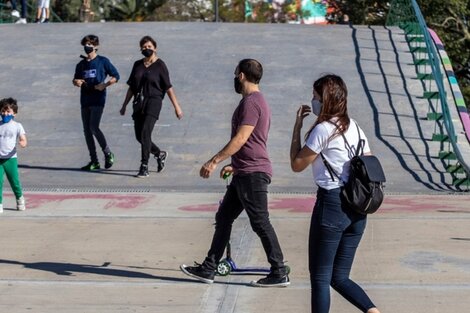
(21, 21)
(1, 207)
(15, 13)
(20, 204)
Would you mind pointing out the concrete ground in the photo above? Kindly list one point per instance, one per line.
(120, 252)
(108, 242)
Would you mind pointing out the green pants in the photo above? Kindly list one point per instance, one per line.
(10, 167)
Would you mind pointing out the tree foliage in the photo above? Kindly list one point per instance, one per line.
(68, 10)
(361, 12)
(130, 10)
(451, 20)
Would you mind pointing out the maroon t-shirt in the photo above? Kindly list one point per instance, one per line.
(253, 157)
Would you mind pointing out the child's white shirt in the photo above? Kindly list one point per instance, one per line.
(9, 135)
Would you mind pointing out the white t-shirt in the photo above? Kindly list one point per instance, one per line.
(335, 152)
(9, 134)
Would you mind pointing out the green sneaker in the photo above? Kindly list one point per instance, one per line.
(109, 160)
(92, 166)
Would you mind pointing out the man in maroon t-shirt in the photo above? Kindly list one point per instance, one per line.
(252, 171)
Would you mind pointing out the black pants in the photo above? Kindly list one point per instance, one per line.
(249, 192)
(143, 127)
(91, 118)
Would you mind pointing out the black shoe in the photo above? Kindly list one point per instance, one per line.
(143, 171)
(199, 272)
(92, 166)
(161, 160)
(272, 281)
(109, 160)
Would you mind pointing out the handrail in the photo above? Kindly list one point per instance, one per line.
(454, 86)
(407, 13)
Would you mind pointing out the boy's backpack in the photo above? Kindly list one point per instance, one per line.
(363, 192)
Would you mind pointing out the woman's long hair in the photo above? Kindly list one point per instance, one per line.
(334, 98)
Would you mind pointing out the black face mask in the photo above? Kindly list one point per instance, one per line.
(88, 49)
(147, 52)
(237, 85)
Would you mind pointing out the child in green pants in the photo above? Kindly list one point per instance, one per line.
(11, 132)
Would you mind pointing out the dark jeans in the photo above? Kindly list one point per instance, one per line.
(335, 233)
(143, 127)
(23, 7)
(249, 192)
(91, 118)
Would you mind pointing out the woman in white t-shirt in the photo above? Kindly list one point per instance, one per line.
(335, 230)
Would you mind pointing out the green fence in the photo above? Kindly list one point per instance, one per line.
(407, 15)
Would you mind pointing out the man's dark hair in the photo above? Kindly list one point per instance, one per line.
(146, 39)
(252, 69)
(93, 39)
(6, 103)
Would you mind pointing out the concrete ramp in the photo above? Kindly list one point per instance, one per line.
(37, 64)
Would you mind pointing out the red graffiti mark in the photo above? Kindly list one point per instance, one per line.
(421, 203)
(113, 201)
(296, 205)
(212, 207)
(391, 204)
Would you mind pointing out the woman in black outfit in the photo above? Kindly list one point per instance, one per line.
(150, 77)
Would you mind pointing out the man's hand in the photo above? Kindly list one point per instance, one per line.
(226, 171)
(207, 168)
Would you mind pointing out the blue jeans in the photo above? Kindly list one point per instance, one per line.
(91, 118)
(249, 192)
(335, 233)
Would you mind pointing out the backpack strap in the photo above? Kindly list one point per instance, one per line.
(359, 151)
(360, 144)
(330, 169)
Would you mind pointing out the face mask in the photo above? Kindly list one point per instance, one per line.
(147, 52)
(88, 49)
(316, 107)
(237, 85)
(6, 118)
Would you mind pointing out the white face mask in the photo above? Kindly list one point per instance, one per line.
(316, 107)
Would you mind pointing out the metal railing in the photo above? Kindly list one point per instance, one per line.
(407, 15)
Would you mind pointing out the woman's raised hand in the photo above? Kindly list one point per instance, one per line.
(302, 112)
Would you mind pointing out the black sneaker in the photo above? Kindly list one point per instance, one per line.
(143, 171)
(199, 272)
(109, 160)
(272, 281)
(161, 160)
(92, 166)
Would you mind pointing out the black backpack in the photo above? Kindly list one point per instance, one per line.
(363, 192)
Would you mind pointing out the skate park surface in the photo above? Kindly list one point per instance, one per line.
(108, 242)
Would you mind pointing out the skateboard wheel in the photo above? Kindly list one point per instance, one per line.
(287, 269)
(224, 268)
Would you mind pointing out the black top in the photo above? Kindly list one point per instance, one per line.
(154, 80)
